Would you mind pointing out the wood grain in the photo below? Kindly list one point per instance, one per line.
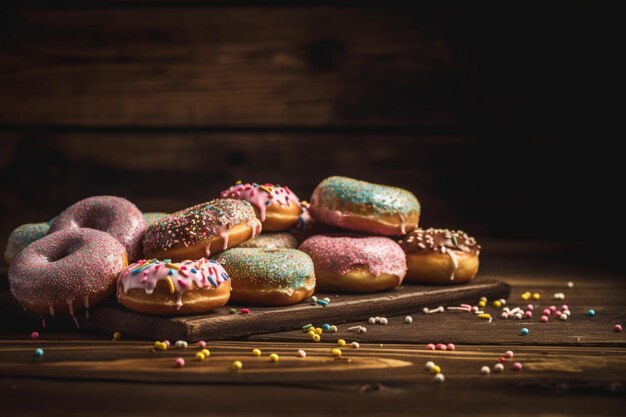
(219, 324)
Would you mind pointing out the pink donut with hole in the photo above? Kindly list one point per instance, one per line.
(114, 215)
(66, 271)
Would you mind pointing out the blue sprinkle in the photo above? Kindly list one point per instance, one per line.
(224, 276)
(323, 303)
(210, 278)
(591, 312)
(267, 203)
(171, 272)
(39, 352)
(212, 261)
(193, 270)
(326, 326)
(524, 331)
(136, 271)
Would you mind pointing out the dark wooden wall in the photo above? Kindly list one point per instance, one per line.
(494, 117)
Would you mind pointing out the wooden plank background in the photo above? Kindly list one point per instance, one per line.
(494, 122)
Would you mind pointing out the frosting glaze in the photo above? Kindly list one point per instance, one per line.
(382, 198)
(66, 265)
(146, 274)
(261, 196)
(199, 224)
(280, 240)
(114, 215)
(342, 253)
(283, 270)
(23, 236)
(440, 240)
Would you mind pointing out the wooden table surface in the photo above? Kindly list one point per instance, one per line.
(570, 367)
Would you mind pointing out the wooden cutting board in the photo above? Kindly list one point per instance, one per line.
(219, 324)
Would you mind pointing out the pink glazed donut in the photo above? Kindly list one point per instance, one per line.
(355, 263)
(114, 215)
(66, 271)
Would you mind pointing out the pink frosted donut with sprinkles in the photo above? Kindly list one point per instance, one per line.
(276, 206)
(165, 287)
(66, 271)
(202, 230)
(355, 263)
(114, 215)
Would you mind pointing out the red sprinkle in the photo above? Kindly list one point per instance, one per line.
(245, 311)
(430, 346)
(202, 344)
(35, 335)
(517, 366)
(544, 319)
(451, 346)
(502, 359)
(617, 328)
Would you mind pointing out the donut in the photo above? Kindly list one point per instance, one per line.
(364, 207)
(164, 287)
(277, 207)
(270, 277)
(23, 236)
(153, 217)
(201, 230)
(278, 240)
(440, 256)
(66, 271)
(353, 263)
(114, 215)
(307, 226)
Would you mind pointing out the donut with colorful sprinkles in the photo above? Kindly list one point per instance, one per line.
(365, 207)
(23, 236)
(271, 277)
(164, 287)
(440, 256)
(202, 230)
(66, 271)
(276, 206)
(114, 215)
(354, 263)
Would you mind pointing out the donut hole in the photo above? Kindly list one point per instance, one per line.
(98, 218)
(63, 251)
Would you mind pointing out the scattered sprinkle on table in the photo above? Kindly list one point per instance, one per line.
(498, 367)
(301, 354)
(355, 345)
(429, 365)
(341, 342)
(273, 357)
(591, 312)
(39, 352)
(206, 352)
(200, 356)
(202, 344)
(237, 365)
(450, 346)
(181, 344)
(508, 353)
(439, 378)
(435, 369)
(485, 370)
(232, 311)
(524, 331)
(256, 352)
(517, 366)
(617, 328)
(245, 311)
(570, 284)
(179, 363)
(336, 352)
(35, 336)
(408, 319)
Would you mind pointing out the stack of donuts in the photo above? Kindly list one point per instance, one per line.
(256, 244)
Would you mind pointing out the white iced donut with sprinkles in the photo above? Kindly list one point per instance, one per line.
(164, 287)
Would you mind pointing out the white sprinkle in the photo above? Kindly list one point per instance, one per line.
(485, 370)
(429, 365)
(425, 310)
(408, 319)
(354, 328)
(504, 315)
(383, 321)
(181, 344)
(326, 299)
(372, 320)
(439, 309)
(515, 310)
(564, 317)
(355, 345)
(362, 330)
(559, 296)
(570, 284)
(503, 301)
(439, 378)
(498, 367)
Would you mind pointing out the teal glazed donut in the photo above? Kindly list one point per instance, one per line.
(23, 236)
(280, 240)
(153, 217)
(271, 277)
(365, 207)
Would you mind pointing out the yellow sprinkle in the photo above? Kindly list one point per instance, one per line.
(273, 357)
(172, 266)
(319, 330)
(171, 285)
(336, 352)
(205, 352)
(117, 336)
(497, 304)
(256, 352)
(341, 342)
(317, 338)
(536, 296)
(160, 345)
(482, 304)
(264, 188)
(525, 296)
(311, 333)
(435, 369)
(237, 182)
(237, 365)
(200, 356)
(483, 299)
(484, 316)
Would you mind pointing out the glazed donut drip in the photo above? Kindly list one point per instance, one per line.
(262, 196)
